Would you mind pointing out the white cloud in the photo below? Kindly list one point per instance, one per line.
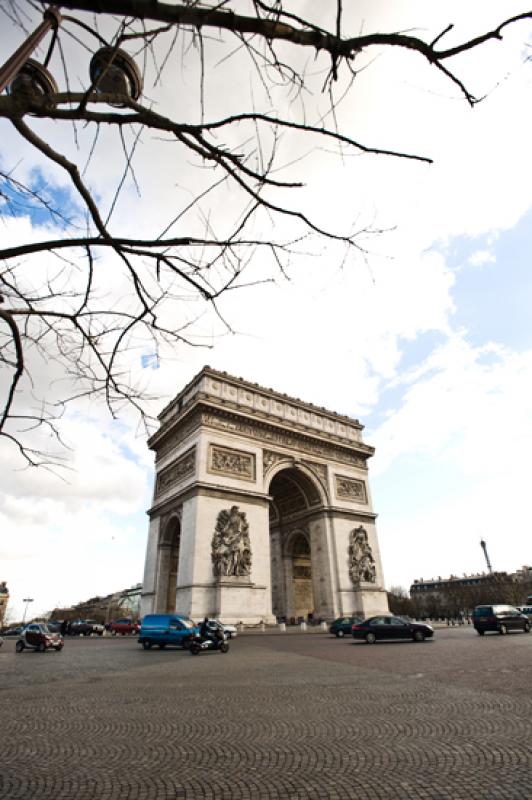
(452, 463)
(481, 257)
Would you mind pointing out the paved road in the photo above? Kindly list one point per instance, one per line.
(281, 716)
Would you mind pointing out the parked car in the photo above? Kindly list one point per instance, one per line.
(85, 627)
(527, 610)
(387, 627)
(166, 629)
(499, 619)
(38, 636)
(16, 631)
(342, 626)
(124, 626)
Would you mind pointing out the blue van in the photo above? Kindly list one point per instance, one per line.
(163, 629)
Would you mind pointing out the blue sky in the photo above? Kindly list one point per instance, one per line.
(493, 300)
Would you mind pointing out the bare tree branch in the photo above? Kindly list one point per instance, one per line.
(86, 325)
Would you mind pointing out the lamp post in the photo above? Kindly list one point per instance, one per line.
(112, 71)
(52, 19)
(27, 601)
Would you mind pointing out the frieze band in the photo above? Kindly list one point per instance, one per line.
(283, 439)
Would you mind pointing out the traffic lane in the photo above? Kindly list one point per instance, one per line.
(93, 658)
(454, 657)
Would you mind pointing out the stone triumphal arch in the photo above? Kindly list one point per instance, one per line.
(261, 508)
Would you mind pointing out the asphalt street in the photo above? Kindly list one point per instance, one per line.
(284, 716)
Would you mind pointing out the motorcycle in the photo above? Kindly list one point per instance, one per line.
(198, 644)
(38, 637)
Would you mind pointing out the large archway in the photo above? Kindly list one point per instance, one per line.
(169, 565)
(295, 499)
(241, 469)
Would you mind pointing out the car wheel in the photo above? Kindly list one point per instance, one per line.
(19, 647)
(481, 633)
(162, 645)
(371, 638)
(224, 647)
(194, 649)
(527, 627)
(58, 648)
(147, 645)
(503, 630)
(339, 634)
(419, 636)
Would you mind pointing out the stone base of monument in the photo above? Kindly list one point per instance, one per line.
(367, 601)
(237, 599)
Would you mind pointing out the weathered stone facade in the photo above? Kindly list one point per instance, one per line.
(258, 508)
(4, 599)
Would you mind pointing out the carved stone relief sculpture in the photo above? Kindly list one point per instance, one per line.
(236, 463)
(231, 549)
(350, 489)
(361, 561)
(269, 459)
(179, 469)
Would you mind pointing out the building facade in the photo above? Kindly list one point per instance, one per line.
(261, 508)
(462, 593)
(4, 599)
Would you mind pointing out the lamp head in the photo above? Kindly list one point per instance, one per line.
(33, 80)
(115, 73)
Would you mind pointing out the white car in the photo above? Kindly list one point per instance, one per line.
(230, 631)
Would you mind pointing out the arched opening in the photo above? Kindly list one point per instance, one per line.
(169, 566)
(294, 499)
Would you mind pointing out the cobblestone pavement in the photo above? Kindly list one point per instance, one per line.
(280, 716)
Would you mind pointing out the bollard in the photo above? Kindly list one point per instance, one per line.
(282, 627)
(303, 626)
(262, 626)
(324, 626)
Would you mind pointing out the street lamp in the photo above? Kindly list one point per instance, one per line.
(26, 600)
(111, 70)
(17, 62)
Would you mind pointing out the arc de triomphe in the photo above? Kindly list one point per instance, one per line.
(261, 508)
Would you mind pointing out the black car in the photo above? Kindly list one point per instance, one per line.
(387, 627)
(13, 631)
(85, 627)
(500, 619)
(343, 626)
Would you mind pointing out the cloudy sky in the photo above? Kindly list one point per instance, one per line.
(426, 339)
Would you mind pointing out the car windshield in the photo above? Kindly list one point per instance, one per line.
(188, 623)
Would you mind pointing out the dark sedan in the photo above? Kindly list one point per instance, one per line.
(376, 628)
(343, 626)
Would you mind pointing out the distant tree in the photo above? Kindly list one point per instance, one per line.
(67, 311)
(399, 601)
